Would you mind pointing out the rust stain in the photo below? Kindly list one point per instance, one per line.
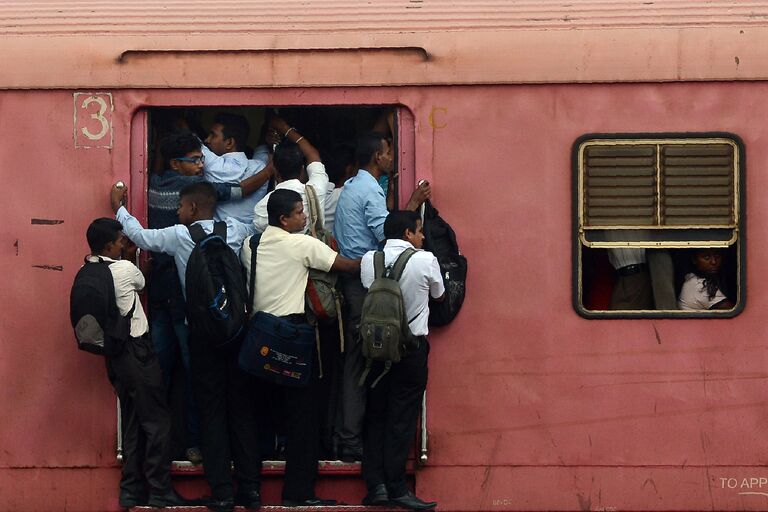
(47, 222)
(433, 122)
(57, 268)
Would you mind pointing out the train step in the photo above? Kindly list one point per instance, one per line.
(278, 508)
(337, 480)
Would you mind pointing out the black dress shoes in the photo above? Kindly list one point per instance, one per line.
(377, 496)
(129, 500)
(251, 500)
(309, 502)
(170, 499)
(412, 502)
(220, 504)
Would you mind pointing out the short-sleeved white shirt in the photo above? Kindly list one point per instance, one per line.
(129, 281)
(421, 279)
(319, 181)
(283, 261)
(693, 295)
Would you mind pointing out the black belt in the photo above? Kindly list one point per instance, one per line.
(631, 270)
(296, 318)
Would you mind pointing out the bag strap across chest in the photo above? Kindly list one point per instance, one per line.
(395, 271)
(314, 221)
(197, 232)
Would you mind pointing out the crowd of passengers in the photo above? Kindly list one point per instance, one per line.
(232, 418)
(651, 279)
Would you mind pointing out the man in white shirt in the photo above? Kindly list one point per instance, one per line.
(393, 404)
(223, 392)
(288, 161)
(283, 259)
(137, 379)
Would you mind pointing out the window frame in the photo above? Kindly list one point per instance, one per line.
(739, 227)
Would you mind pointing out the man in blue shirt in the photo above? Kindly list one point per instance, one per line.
(227, 162)
(184, 161)
(359, 228)
(223, 392)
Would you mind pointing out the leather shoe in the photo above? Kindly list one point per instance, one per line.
(220, 505)
(412, 502)
(170, 499)
(351, 454)
(129, 500)
(309, 502)
(251, 500)
(377, 496)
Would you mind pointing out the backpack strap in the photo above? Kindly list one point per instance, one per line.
(399, 266)
(253, 243)
(368, 365)
(315, 224)
(196, 232)
(378, 264)
(220, 230)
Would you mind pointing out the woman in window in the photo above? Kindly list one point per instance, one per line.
(704, 286)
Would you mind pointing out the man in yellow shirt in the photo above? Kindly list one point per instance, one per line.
(283, 259)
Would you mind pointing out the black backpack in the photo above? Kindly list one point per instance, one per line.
(99, 327)
(440, 240)
(216, 294)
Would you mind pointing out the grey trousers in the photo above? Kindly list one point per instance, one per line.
(353, 397)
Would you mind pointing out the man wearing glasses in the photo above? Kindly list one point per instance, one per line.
(184, 163)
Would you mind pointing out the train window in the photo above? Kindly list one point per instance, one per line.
(659, 225)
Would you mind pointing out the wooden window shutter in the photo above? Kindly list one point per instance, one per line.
(698, 185)
(658, 192)
(620, 185)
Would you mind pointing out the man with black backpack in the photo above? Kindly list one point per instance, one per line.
(132, 366)
(393, 331)
(205, 254)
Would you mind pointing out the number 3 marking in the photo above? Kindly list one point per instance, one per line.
(99, 116)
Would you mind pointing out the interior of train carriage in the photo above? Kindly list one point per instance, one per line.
(331, 130)
(659, 226)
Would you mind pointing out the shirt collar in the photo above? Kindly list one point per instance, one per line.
(398, 243)
(292, 184)
(94, 259)
(274, 232)
(363, 174)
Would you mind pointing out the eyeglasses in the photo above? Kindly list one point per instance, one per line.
(193, 159)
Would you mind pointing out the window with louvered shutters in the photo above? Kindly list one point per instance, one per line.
(658, 193)
(667, 196)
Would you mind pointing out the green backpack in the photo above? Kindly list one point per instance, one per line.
(384, 330)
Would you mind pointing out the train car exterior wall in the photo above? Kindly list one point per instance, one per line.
(531, 407)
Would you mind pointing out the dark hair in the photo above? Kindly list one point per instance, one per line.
(281, 203)
(711, 282)
(177, 145)
(398, 221)
(101, 232)
(202, 193)
(340, 157)
(234, 126)
(288, 160)
(367, 145)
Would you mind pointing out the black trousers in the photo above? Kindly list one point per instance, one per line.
(303, 408)
(136, 376)
(226, 398)
(350, 432)
(390, 420)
